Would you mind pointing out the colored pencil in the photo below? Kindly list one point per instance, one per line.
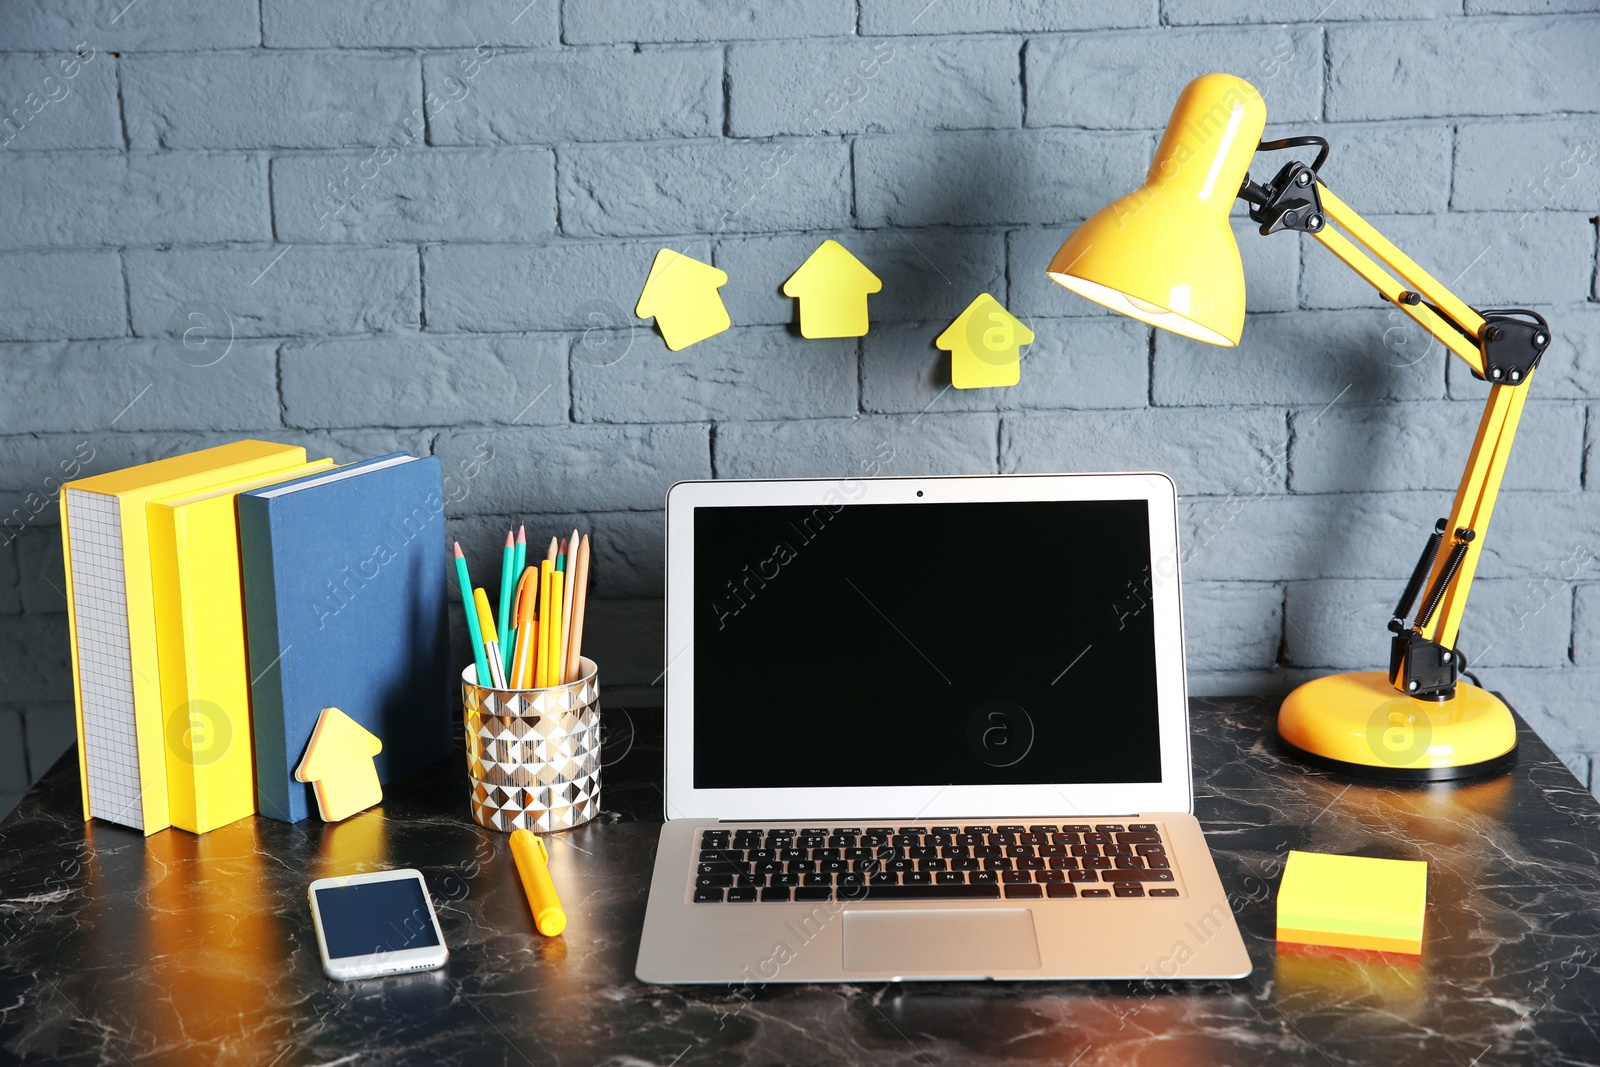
(508, 575)
(480, 660)
(541, 652)
(519, 560)
(567, 592)
(557, 581)
(580, 599)
(552, 553)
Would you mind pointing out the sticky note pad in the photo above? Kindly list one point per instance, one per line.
(1353, 902)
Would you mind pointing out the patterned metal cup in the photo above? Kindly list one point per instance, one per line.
(533, 755)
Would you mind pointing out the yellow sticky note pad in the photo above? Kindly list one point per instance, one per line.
(1353, 902)
(984, 345)
(832, 286)
(338, 764)
(681, 295)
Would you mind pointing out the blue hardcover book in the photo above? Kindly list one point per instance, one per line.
(344, 589)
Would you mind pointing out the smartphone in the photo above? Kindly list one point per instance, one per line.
(369, 925)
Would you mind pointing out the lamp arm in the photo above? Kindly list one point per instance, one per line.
(1502, 347)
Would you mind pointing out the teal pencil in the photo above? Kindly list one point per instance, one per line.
(503, 621)
(478, 656)
(519, 560)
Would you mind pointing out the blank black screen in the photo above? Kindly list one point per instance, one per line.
(375, 917)
(926, 644)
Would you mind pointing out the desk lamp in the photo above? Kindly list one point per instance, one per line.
(1165, 254)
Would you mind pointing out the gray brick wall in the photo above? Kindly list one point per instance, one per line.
(370, 226)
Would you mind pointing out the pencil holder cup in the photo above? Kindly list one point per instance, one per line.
(533, 755)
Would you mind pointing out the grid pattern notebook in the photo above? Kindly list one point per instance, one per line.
(100, 605)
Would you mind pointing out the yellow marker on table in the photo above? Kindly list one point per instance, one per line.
(681, 294)
(1353, 902)
(832, 287)
(983, 344)
(533, 865)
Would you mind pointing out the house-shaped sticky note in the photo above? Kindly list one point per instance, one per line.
(1353, 902)
(984, 345)
(681, 295)
(338, 764)
(832, 287)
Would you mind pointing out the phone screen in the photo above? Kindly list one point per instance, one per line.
(387, 916)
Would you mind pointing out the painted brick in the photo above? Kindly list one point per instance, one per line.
(36, 464)
(1558, 704)
(1214, 12)
(1352, 363)
(10, 583)
(1084, 79)
(1570, 369)
(857, 448)
(625, 639)
(1527, 7)
(37, 666)
(867, 86)
(990, 178)
(52, 729)
(1543, 537)
(415, 194)
(42, 570)
(1528, 165)
(580, 468)
(1202, 451)
(425, 381)
(1461, 67)
(593, 95)
(407, 24)
(1375, 167)
(13, 752)
(348, 445)
(561, 286)
(310, 99)
(760, 372)
(1275, 682)
(1364, 447)
(1271, 270)
(39, 25)
(1072, 363)
(621, 22)
(141, 385)
(1230, 627)
(60, 294)
(139, 199)
(59, 100)
(1343, 624)
(1257, 536)
(621, 191)
(1486, 259)
(1586, 624)
(1025, 16)
(926, 275)
(274, 292)
(628, 547)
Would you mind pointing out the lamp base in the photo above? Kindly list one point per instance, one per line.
(1360, 724)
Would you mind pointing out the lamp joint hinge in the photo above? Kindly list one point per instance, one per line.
(1512, 341)
(1289, 202)
(1422, 668)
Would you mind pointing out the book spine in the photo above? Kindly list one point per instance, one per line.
(274, 796)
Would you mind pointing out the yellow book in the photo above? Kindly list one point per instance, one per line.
(112, 622)
(205, 681)
(1353, 902)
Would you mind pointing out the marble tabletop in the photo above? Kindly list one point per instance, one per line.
(121, 949)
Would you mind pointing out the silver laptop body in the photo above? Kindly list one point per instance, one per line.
(929, 728)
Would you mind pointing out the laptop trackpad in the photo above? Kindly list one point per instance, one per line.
(971, 943)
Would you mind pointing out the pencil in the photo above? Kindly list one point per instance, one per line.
(552, 555)
(580, 600)
(480, 661)
(557, 581)
(491, 643)
(508, 575)
(567, 592)
(541, 651)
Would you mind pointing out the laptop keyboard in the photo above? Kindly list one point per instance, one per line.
(744, 864)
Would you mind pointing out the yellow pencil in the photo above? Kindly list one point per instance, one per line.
(557, 580)
(580, 598)
(541, 658)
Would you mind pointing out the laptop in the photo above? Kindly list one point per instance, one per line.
(929, 728)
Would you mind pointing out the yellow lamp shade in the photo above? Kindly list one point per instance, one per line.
(1165, 253)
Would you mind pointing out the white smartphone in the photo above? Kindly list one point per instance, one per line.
(370, 925)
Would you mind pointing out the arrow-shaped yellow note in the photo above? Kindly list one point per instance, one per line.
(681, 295)
(832, 287)
(338, 764)
(983, 344)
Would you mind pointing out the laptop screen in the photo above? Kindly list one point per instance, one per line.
(990, 643)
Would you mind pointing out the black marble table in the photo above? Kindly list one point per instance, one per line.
(121, 949)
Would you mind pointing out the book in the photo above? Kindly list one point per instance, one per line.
(205, 681)
(112, 623)
(344, 592)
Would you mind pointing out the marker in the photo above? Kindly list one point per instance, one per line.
(478, 658)
(533, 865)
(527, 631)
(491, 643)
(507, 575)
